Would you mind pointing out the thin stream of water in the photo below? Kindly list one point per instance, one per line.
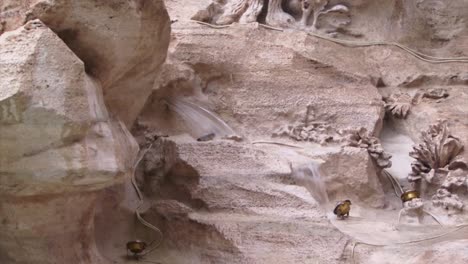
(202, 121)
(199, 120)
(308, 175)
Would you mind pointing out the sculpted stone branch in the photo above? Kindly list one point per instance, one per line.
(363, 139)
(300, 14)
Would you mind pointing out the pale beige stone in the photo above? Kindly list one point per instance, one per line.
(58, 146)
(122, 43)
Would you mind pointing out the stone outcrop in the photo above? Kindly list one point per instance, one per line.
(58, 147)
(292, 91)
(245, 87)
(122, 43)
(359, 182)
(238, 199)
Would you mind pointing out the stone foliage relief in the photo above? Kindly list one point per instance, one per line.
(298, 14)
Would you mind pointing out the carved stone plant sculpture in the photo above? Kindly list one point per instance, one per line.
(399, 104)
(302, 14)
(312, 128)
(438, 148)
(362, 139)
(315, 132)
(436, 162)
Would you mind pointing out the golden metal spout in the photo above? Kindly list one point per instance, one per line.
(409, 195)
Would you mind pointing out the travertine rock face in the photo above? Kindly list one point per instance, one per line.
(453, 251)
(122, 43)
(359, 183)
(58, 146)
(14, 13)
(55, 128)
(287, 87)
(235, 203)
(245, 87)
(293, 101)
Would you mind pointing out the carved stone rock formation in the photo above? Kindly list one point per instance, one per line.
(240, 193)
(303, 14)
(438, 148)
(58, 147)
(349, 184)
(319, 133)
(413, 211)
(126, 63)
(436, 163)
(456, 181)
(362, 139)
(311, 128)
(436, 93)
(444, 198)
(398, 104)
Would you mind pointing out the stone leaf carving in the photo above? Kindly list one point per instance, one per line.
(312, 128)
(362, 139)
(398, 104)
(436, 161)
(315, 132)
(303, 14)
(438, 148)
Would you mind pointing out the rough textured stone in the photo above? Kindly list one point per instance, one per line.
(122, 43)
(258, 198)
(264, 82)
(56, 132)
(58, 146)
(359, 182)
(233, 202)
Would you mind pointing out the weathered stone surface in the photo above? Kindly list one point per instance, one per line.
(49, 229)
(235, 203)
(58, 146)
(260, 80)
(254, 92)
(14, 13)
(358, 182)
(221, 201)
(56, 135)
(122, 43)
(450, 251)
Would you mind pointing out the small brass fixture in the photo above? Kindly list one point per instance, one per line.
(342, 209)
(409, 195)
(136, 247)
